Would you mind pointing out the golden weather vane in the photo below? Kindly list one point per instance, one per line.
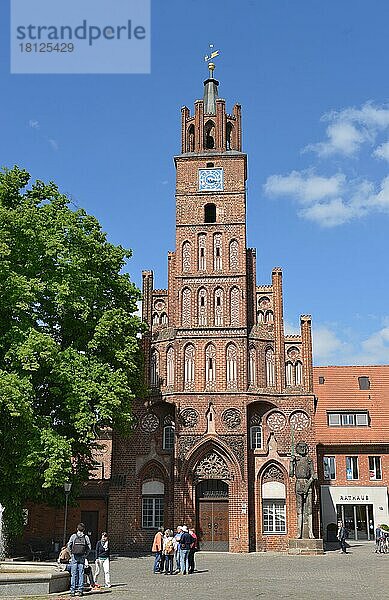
(209, 58)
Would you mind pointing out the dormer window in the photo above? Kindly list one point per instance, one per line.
(364, 383)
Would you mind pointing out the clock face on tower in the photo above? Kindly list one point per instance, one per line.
(211, 180)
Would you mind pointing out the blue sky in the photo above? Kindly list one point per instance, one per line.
(312, 78)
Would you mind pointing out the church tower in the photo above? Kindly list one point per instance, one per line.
(229, 393)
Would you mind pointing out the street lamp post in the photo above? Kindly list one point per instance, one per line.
(67, 486)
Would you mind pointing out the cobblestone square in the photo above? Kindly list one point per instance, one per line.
(361, 574)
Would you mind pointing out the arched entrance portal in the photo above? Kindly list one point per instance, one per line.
(212, 514)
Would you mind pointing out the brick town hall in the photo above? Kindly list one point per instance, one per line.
(230, 395)
(212, 442)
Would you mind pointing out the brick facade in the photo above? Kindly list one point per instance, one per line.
(219, 369)
(217, 364)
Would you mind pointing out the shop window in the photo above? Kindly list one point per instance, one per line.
(329, 467)
(168, 437)
(256, 437)
(352, 468)
(375, 467)
(364, 383)
(152, 504)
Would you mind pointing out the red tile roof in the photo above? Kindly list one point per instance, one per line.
(340, 392)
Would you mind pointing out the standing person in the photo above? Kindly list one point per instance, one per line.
(157, 548)
(79, 547)
(177, 547)
(192, 550)
(168, 551)
(185, 544)
(342, 537)
(378, 536)
(102, 559)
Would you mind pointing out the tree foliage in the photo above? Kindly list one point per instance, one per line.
(69, 354)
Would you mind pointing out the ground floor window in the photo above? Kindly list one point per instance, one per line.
(152, 512)
(274, 516)
(358, 519)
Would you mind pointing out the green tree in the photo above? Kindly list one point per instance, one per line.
(70, 361)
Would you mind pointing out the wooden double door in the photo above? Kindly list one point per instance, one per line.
(213, 524)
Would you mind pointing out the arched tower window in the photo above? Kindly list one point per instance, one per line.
(289, 373)
(163, 319)
(155, 319)
(209, 135)
(232, 368)
(210, 365)
(234, 305)
(252, 366)
(229, 131)
(202, 307)
(234, 255)
(269, 316)
(210, 213)
(298, 373)
(170, 366)
(218, 307)
(217, 252)
(186, 257)
(154, 368)
(270, 372)
(191, 139)
(186, 307)
(260, 316)
(202, 252)
(189, 366)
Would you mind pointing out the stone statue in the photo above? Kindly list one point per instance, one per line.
(301, 467)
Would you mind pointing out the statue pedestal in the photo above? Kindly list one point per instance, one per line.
(305, 546)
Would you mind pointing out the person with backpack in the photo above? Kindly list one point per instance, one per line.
(342, 537)
(102, 559)
(168, 551)
(185, 544)
(79, 547)
(157, 548)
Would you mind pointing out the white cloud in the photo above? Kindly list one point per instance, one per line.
(382, 151)
(325, 343)
(291, 328)
(33, 124)
(351, 127)
(305, 186)
(332, 347)
(343, 138)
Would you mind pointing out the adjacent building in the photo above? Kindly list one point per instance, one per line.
(352, 437)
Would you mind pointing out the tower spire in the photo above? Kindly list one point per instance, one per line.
(210, 84)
